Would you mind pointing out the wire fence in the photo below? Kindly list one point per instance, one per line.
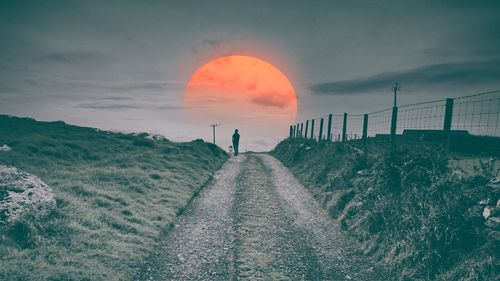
(380, 122)
(461, 119)
(479, 117)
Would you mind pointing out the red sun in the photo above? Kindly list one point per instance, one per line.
(240, 90)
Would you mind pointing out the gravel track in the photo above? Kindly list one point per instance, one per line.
(256, 222)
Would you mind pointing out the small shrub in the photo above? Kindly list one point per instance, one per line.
(127, 213)
(155, 176)
(32, 149)
(23, 233)
(144, 143)
(375, 223)
(391, 168)
(215, 149)
(81, 191)
(341, 203)
(487, 168)
(102, 203)
(169, 150)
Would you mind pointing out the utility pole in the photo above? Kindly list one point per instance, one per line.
(394, 118)
(396, 88)
(213, 129)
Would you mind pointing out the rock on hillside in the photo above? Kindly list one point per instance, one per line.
(5, 148)
(22, 193)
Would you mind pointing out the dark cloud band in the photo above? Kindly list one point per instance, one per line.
(450, 74)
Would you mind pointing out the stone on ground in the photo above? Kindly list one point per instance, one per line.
(22, 193)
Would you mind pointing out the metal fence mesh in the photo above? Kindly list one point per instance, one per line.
(379, 122)
(429, 116)
(477, 114)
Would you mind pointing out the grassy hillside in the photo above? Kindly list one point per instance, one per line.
(412, 208)
(115, 194)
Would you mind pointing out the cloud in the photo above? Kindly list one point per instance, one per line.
(105, 104)
(451, 74)
(272, 100)
(207, 43)
(111, 106)
(147, 86)
(117, 98)
(79, 57)
(220, 43)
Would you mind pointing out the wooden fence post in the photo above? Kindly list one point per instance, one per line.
(394, 121)
(301, 129)
(344, 128)
(291, 131)
(320, 136)
(307, 127)
(329, 137)
(312, 129)
(365, 131)
(448, 114)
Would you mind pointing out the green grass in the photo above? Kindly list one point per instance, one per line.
(412, 208)
(115, 193)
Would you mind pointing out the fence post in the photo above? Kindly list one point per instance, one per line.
(329, 137)
(301, 129)
(291, 131)
(320, 135)
(394, 124)
(365, 131)
(344, 128)
(307, 127)
(448, 114)
(312, 129)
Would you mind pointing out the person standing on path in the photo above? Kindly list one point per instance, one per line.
(236, 142)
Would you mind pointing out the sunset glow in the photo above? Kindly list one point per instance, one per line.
(240, 90)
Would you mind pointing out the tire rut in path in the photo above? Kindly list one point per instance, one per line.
(267, 247)
(198, 247)
(338, 255)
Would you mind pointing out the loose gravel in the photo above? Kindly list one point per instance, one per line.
(256, 222)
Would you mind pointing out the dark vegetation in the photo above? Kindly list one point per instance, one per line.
(115, 194)
(414, 208)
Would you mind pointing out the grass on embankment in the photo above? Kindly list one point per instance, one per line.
(115, 194)
(411, 208)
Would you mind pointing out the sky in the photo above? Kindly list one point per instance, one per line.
(124, 65)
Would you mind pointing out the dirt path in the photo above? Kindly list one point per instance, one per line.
(256, 222)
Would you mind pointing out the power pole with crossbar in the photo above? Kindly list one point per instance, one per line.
(213, 129)
(396, 88)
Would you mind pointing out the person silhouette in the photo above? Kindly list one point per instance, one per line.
(236, 142)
